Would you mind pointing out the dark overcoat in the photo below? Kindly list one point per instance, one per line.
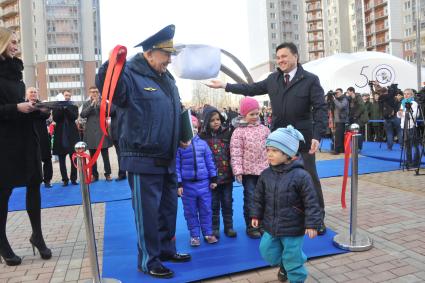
(66, 132)
(93, 132)
(300, 104)
(20, 158)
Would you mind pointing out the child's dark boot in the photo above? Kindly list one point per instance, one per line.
(253, 233)
(282, 276)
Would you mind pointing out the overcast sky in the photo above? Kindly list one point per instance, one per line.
(220, 23)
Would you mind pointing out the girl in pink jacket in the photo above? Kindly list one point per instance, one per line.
(248, 155)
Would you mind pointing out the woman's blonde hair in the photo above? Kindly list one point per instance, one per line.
(5, 35)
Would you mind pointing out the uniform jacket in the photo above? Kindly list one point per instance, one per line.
(93, 132)
(150, 124)
(19, 143)
(294, 105)
(195, 163)
(248, 149)
(66, 132)
(219, 143)
(285, 201)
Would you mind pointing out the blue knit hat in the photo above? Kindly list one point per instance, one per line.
(286, 140)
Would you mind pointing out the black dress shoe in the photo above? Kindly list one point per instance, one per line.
(47, 185)
(161, 272)
(177, 258)
(74, 183)
(120, 178)
(65, 183)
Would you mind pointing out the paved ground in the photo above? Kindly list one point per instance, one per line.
(391, 211)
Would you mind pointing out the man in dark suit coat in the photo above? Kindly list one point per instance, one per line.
(66, 136)
(297, 99)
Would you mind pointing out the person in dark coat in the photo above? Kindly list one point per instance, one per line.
(66, 136)
(286, 204)
(149, 137)
(45, 141)
(93, 133)
(19, 148)
(297, 99)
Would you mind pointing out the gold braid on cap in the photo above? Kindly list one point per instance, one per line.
(165, 45)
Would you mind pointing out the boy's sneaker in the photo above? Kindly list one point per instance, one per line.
(230, 233)
(282, 276)
(195, 241)
(211, 239)
(253, 233)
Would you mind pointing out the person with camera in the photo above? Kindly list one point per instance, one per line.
(341, 107)
(408, 113)
(389, 105)
(356, 110)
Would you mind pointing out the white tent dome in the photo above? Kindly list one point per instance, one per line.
(357, 69)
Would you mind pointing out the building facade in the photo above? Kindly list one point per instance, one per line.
(60, 42)
(272, 22)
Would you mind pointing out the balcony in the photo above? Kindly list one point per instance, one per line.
(316, 49)
(4, 3)
(379, 3)
(315, 39)
(10, 12)
(315, 28)
(381, 29)
(381, 15)
(313, 18)
(313, 7)
(381, 41)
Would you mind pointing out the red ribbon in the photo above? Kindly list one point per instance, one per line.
(116, 64)
(347, 151)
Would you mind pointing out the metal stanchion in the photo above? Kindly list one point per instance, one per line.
(353, 241)
(81, 147)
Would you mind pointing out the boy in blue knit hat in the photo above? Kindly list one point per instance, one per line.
(286, 205)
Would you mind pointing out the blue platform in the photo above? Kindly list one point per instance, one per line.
(229, 255)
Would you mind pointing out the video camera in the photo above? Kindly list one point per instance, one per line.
(330, 95)
(420, 97)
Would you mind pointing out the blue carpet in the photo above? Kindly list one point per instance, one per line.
(376, 150)
(229, 255)
(103, 191)
(366, 165)
(100, 191)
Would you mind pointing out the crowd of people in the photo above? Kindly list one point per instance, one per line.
(381, 115)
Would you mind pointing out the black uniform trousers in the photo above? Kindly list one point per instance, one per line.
(62, 167)
(154, 200)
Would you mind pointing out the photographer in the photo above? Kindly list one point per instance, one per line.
(389, 105)
(408, 114)
(340, 105)
(356, 111)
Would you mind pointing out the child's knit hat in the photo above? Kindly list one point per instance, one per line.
(247, 104)
(285, 139)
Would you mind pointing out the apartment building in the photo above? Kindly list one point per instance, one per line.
(270, 23)
(60, 43)
(382, 32)
(409, 18)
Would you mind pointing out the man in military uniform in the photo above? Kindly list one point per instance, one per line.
(149, 138)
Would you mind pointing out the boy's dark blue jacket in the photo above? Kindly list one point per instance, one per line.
(285, 201)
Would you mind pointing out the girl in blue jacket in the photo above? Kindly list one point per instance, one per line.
(197, 174)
